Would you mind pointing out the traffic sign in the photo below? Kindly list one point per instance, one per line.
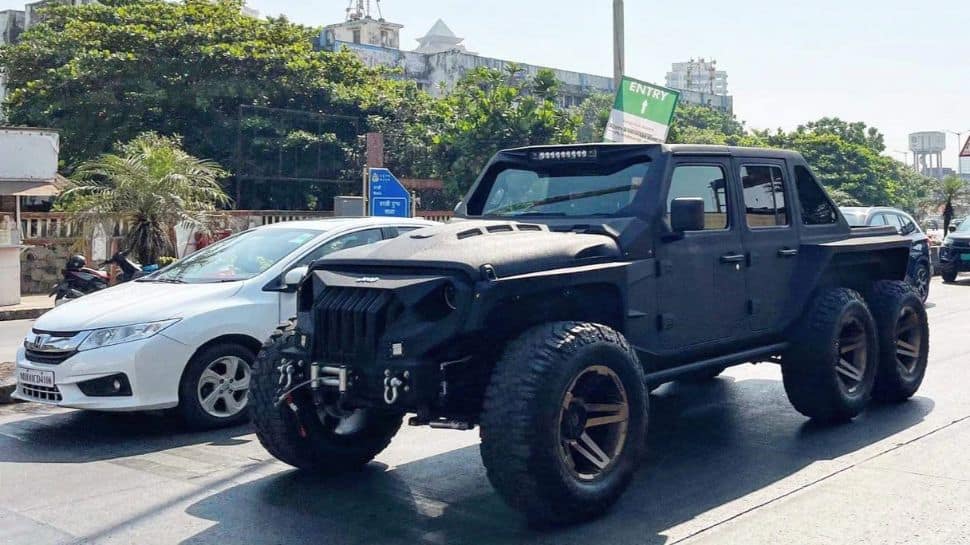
(387, 195)
(966, 149)
(641, 114)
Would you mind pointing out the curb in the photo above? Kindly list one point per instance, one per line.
(22, 314)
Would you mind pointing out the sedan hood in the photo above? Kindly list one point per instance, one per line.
(133, 303)
(510, 248)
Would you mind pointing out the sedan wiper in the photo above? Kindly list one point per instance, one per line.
(169, 280)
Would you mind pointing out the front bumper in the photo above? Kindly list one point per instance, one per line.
(953, 258)
(153, 366)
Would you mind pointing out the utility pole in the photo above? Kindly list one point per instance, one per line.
(618, 43)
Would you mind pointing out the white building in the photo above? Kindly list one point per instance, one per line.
(700, 82)
(441, 59)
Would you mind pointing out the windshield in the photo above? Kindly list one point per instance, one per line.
(964, 227)
(236, 258)
(592, 190)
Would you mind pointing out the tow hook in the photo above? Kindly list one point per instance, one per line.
(392, 385)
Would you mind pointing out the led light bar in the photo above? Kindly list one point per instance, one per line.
(567, 154)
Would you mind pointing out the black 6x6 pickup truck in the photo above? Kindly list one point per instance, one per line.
(575, 279)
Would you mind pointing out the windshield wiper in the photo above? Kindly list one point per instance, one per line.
(526, 206)
(169, 280)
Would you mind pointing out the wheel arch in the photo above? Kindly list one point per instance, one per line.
(596, 302)
(249, 342)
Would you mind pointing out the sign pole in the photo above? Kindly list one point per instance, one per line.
(619, 41)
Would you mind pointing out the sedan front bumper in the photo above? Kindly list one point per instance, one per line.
(153, 367)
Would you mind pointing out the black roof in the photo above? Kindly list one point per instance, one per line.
(679, 149)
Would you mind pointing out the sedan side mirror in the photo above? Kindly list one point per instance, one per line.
(294, 277)
(952, 228)
(687, 214)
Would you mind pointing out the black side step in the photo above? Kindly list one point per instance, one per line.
(736, 358)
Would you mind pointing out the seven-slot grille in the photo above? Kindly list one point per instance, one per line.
(41, 393)
(349, 323)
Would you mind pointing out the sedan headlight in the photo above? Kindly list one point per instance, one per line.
(124, 334)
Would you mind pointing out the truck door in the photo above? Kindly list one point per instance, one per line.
(701, 295)
(770, 240)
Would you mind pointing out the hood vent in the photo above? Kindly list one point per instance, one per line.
(469, 233)
(499, 228)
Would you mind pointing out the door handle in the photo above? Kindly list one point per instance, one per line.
(732, 258)
(787, 252)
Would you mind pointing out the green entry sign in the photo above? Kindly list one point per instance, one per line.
(641, 114)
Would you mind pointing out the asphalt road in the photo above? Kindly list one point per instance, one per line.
(11, 336)
(729, 462)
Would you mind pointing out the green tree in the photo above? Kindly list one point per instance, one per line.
(949, 193)
(593, 114)
(152, 184)
(491, 110)
(693, 124)
(108, 71)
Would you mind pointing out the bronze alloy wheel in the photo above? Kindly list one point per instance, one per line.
(853, 348)
(909, 341)
(593, 423)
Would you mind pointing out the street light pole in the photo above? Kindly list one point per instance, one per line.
(618, 43)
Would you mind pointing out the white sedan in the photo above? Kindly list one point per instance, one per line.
(187, 335)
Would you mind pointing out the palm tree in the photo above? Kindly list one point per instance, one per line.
(949, 192)
(151, 183)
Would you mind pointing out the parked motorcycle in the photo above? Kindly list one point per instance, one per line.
(79, 279)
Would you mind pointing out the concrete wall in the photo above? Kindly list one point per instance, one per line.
(40, 266)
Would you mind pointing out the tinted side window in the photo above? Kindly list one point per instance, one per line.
(816, 209)
(350, 240)
(764, 196)
(706, 182)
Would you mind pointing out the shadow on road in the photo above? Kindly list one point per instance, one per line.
(709, 445)
(87, 436)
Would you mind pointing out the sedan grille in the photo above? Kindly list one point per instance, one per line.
(349, 323)
(48, 357)
(41, 393)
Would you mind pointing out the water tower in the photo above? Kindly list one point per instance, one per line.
(927, 148)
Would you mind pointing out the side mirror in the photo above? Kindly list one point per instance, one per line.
(952, 228)
(687, 214)
(293, 277)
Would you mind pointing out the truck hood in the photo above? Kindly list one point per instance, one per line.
(510, 248)
(134, 303)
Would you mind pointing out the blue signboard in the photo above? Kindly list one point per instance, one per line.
(388, 197)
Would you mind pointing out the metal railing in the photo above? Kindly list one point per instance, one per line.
(41, 226)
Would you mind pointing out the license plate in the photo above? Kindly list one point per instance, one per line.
(964, 257)
(35, 378)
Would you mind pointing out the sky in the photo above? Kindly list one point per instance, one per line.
(899, 65)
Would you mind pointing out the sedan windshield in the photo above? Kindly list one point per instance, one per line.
(598, 191)
(964, 227)
(236, 258)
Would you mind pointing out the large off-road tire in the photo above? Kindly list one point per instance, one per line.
(214, 389)
(302, 439)
(904, 340)
(830, 369)
(564, 421)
